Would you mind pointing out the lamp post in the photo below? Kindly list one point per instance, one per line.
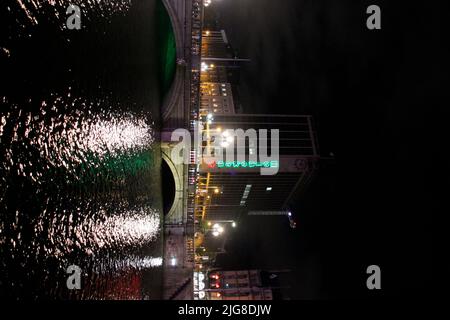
(204, 189)
(232, 222)
(216, 229)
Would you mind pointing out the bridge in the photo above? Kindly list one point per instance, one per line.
(180, 110)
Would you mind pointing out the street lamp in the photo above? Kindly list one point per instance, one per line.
(209, 118)
(227, 139)
(217, 230)
(203, 189)
(216, 223)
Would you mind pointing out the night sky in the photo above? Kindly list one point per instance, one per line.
(374, 96)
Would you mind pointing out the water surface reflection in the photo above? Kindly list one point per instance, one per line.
(79, 155)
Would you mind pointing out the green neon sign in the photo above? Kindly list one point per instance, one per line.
(247, 164)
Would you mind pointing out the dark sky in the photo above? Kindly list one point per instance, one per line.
(374, 95)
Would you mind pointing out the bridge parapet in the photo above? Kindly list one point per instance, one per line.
(186, 17)
(181, 110)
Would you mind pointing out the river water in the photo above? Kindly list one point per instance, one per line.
(80, 178)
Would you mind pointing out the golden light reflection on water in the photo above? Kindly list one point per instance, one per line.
(139, 263)
(70, 191)
(96, 231)
(78, 167)
(67, 133)
(56, 9)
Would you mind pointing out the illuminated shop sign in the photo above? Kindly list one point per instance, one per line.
(247, 164)
(199, 286)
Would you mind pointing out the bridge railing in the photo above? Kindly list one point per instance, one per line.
(194, 102)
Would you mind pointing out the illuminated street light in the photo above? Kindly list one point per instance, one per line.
(217, 225)
(203, 189)
(217, 230)
(209, 118)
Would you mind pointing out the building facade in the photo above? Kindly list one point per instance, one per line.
(241, 186)
(215, 45)
(237, 285)
(216, 98)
